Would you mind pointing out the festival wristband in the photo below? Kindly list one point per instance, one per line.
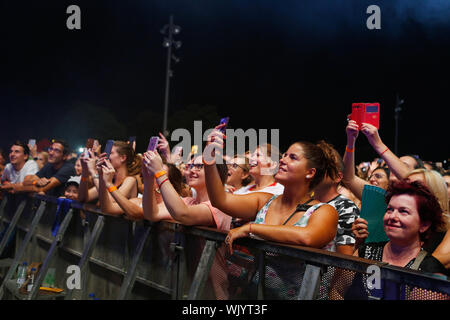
(384, 152)
(349, 150)
(112, 189)
(160, 173)
(159, 185)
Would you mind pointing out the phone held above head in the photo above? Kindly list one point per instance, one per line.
(224, 121)
(366, 113)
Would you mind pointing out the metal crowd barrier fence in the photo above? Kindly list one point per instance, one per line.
(124, 259)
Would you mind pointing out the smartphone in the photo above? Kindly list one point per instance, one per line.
(194, 149)
(153, 143)
(32, 142)
(89, 144)
(108, 148)
(178, 151)
(224, 120)
(366, 113)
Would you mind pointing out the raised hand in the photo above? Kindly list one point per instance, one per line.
(163, 147)
(352, 130)
(371, 132)
(152, 162)
(108, 172)
(214, 142)
(359, 229)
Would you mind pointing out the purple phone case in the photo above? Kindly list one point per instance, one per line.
(152, 144)
(224, 120)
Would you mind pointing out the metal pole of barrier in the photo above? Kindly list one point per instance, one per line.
(310, 282)
(178, 263)
(12, 225)
(51, 253)
(203, 269)
(87, 251)
(26, 240)
(262, 274)
(2, 206)
(130, 277)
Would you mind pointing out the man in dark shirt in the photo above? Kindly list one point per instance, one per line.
(53, 176)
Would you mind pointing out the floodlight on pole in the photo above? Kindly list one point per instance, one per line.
(169, 30)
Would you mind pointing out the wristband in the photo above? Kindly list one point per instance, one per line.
(349, 150)
(34, 182)
(160, 173)
(159, 185)
(250, 227)
(112, 189)
(384, 152)
(84, 179)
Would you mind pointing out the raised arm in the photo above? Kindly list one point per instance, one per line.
(397, 167)
(88, 171)
(351, 180)
(172, 205)
(114, 201)
(239, 206)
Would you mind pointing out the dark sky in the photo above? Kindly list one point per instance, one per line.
(293, 65)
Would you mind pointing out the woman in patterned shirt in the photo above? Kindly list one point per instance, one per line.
(293, 217)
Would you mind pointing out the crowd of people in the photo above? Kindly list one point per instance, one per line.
(313, 197)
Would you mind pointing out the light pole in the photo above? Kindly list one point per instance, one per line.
(398, 108)
(169, 30)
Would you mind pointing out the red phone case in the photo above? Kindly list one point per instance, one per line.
(366, 113)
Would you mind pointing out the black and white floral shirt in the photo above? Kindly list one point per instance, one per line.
(348, 212)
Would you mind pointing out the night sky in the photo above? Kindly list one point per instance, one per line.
(291, 65)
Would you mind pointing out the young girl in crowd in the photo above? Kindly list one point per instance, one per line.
(292, 217)
(262, 171)
(127, 166)
(238, 174)
(119, 204)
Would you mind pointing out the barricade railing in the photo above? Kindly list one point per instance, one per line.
(115, 256)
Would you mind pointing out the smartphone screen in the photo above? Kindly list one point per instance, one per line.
(153, 143)
(108, 148)
(90, 143)
(224, 120)
(32, 142)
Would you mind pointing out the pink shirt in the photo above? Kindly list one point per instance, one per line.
(221, 219)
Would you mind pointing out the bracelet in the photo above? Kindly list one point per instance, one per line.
(160, 173)
(349, 150)
(84, 179)
(250, 227)
(159, 185)
(112, 189)
(95, 176)
(34, 182)
(384, 152)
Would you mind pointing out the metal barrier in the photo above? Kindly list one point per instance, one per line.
(123, 259)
